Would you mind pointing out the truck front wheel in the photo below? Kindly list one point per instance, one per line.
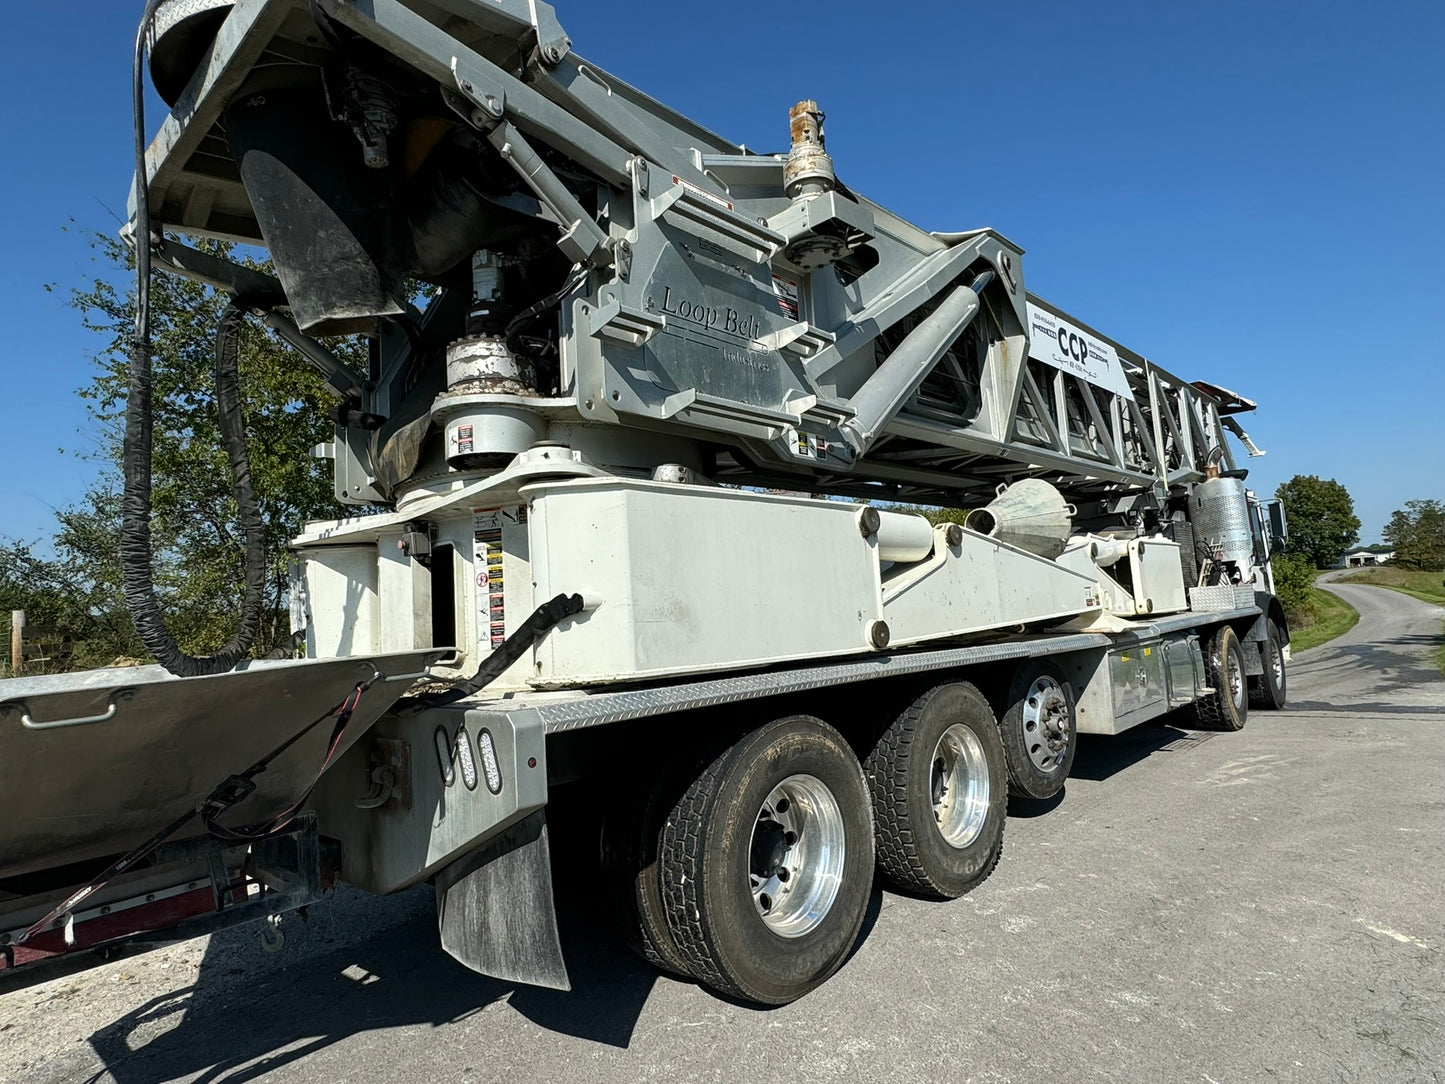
(767, 862)
(940, 793)
(1227, 707)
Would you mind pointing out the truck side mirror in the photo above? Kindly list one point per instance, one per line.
(1278, 529)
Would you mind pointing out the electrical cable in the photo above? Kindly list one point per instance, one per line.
(546, 616)
(138, 582)
(577, 276)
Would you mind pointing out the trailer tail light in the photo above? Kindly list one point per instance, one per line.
(490, 768)
(465, 759)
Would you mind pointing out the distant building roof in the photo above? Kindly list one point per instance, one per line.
(1368, 557)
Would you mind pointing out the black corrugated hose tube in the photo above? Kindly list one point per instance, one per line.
(135, 545)
(135, 539)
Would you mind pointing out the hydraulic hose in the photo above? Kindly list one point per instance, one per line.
(137, 576)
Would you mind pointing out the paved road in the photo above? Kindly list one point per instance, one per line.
(1262, 906)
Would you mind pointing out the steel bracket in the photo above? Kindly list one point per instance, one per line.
(483, 100)
(390, 775)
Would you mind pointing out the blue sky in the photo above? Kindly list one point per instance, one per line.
(1247, 193)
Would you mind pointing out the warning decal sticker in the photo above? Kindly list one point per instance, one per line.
(786, 291)
(487, 524)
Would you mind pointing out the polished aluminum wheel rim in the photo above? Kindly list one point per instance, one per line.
(1234, 674)
(1047, 724)
(1276, 663)
(796, 856)
(960, 786)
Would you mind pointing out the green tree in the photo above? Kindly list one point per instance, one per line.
(1321, 517)
(1417, 535)
(199, 558)
(1294, 577)
(76, 592)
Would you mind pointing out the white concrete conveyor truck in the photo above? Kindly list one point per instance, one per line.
(626, 469)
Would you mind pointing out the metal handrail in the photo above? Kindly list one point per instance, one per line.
(27, 721)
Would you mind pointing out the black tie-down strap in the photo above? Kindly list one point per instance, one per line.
(237, 788)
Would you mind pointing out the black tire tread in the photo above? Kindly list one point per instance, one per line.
(645, 933)
(653, 951)
(1262, 694)
(681, 856)
(1015, 767)
(1259, 698)
(895, 848)
(1211, 712)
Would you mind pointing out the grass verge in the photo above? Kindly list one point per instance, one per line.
(1323, 617)
(1426, 586)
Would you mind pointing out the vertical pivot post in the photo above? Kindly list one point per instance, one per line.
(809, 169)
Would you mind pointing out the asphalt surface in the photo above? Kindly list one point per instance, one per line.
(1260, 906)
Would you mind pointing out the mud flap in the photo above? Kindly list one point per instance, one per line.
(495, 910)
(1253, 658)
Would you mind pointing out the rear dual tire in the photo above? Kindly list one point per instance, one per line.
(631, 846)
(1267, 691)
(755, 880)
(766, 863)
(940, 793)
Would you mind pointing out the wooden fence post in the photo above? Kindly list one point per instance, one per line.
(17, 642)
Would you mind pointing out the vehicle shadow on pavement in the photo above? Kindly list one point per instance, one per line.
(1369, 707)
(1400, 665)
(248, 1014)
(1102, 757)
